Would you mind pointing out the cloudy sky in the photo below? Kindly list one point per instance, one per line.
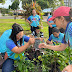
(7, 3)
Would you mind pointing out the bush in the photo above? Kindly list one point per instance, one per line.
(10, 14)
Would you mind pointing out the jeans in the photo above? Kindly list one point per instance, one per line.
(8, 65)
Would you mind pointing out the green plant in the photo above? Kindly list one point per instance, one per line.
(56, 60)
(10, 13)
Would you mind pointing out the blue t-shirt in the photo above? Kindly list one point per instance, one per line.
(58, 39)
(10, 45)
(54, 25)
(68, 34)
(3, 39)
(34, 19)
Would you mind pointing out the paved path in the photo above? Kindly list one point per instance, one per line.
(8, 17)
(19, 17)
(0, 70)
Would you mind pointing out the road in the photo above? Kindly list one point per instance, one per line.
(19, 17)
(9, 17)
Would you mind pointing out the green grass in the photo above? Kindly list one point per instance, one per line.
(6, 24)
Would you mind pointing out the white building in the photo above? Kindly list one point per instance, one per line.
(68, 3)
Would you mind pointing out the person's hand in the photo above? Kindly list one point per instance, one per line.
(51, 42)
(42, 45)
(56, 41)
(30, 22)
(5, 56)
(68, 68)
(50, 26)
(41, 39)
(31, 41)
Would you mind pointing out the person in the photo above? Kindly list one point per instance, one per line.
(56, 36)
(34, 20)
(62, 18)
(51, 24)
(38, 35)
(15, 45)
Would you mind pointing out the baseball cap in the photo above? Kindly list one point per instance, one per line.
(61, 11)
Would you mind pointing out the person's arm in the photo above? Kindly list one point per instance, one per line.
(28, 20)
(49, 24)
(49, 42)
(31, 36)
(61, 47)
(11, 45)
(20, 49)
(52, 23)
(68, 68)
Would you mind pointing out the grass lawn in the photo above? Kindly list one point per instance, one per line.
(6, 24)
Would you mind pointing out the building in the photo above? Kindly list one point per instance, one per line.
(68, 3)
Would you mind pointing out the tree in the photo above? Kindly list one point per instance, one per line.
(2, 1)
(29, 8)
(4, 11)
(44, 3)
(15, 5)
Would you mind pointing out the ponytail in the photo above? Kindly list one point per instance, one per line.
(70, 13)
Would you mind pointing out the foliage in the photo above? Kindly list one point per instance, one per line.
(29, 8)
(63, 56)
(26, 1)
(2, 1)
(51, 61)
(4, 11)
(14, 5)
(26, 65)
(10, 13)
(44, 3)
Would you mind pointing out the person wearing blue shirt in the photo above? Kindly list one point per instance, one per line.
(33, 20)
(51, 25)
(56, 36)
(63, 19)
(15, 44)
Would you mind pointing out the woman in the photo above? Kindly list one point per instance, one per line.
(34, 20)
(15, 44)
(50, 23)
(62, 17)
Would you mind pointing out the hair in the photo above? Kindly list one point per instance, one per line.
(70, 12)
(35, 31)
(55, 29)
(50, 13)
(16, 28)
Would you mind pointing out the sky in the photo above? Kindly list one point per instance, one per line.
(7, 3)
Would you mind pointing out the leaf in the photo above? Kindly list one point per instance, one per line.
(16, 55)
